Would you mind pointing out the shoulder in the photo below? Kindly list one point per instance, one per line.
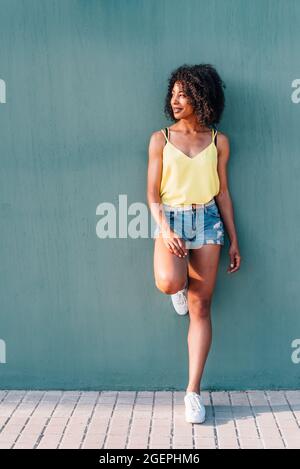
(222, 143)
(223, 138)
(157, 140)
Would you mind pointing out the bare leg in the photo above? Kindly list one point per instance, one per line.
(170, 271)
(202, 271)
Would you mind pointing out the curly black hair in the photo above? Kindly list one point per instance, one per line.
(204, 88)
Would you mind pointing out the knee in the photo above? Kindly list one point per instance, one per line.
(169, 285)
(199, 307)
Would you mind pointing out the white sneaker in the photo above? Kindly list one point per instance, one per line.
(194, 408)
(180, 301)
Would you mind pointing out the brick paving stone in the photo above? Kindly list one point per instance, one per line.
(142, 419)
(228, 443)
(272, 443)
(206, 442)
(293, 443)
(251, 443)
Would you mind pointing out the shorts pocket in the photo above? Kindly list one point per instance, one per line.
(213, 210)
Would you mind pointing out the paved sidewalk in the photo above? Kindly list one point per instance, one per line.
(111, 419)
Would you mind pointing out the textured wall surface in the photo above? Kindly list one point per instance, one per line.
(85, 84)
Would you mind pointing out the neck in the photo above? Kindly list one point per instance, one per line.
(191, 125)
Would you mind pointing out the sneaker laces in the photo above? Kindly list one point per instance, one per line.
(181, 297)
(195, 401)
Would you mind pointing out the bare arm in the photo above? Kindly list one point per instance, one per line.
(156, 145)
(224, 202)
(174, 243)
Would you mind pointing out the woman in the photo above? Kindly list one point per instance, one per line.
(188, 195)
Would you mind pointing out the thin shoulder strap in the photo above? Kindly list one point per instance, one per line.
(166, 133)
(214, 135)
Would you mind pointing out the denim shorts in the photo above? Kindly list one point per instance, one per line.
(195, 225)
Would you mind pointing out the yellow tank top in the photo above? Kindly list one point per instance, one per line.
(187, 180)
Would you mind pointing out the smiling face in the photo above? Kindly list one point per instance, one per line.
(180, 102)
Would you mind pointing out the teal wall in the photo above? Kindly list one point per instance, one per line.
(85, 85)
